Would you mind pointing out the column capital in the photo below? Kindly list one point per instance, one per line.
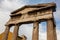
(17, 24)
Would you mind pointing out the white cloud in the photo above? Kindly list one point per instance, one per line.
(42, 32)
(6, 6)
(10, 5)
(57, 14)
(58, 34)
(3, 20)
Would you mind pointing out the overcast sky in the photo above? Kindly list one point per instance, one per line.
(7, 6)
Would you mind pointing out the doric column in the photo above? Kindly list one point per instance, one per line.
(51, 30)
(35, 35)
(15, 32)
(5, 36)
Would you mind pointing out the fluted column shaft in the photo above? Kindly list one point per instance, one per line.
(35, 35)
(51, 30)
(5, 37)
(15, 32)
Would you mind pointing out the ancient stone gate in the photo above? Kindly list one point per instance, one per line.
(33, 14)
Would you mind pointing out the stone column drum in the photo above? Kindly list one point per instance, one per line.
(15, 32)
(35, 35)
(6, 33)
(51, 32)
